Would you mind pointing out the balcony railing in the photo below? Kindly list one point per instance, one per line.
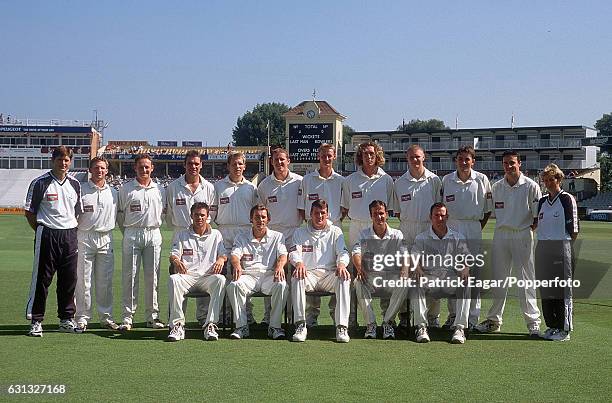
(453, 145)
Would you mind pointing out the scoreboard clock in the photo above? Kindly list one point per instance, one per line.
(305, 139)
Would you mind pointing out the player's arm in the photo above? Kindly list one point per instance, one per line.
(175, 256)
(342, 258)
(356, 258)
(31, 217)
(279, 268)
(217, 267)
(296, 260)
(32, 202)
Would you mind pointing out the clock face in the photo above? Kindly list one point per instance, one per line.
(310, 114)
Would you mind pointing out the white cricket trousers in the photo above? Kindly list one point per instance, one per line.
(181, 284)
(472, 231)
(95, 266)
(410, 230)
(514, 250)
(364, 299)
(252, 282)
(461, 299)
(140, 246)
(321, 280)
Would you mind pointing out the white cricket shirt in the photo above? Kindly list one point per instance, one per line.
(515, 206)
(414, 196)
(281, 199)
(259, 256)
(319, 249)
(197, 252)
(141, 206)
(468, 200)
(233, 202)
(99, 207)
(180, 198)
(315, 187)
(359, 190)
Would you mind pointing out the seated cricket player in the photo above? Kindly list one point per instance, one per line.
(441, 256)
(197, 258)
(378, 238)
(319, 257)
(258, 259)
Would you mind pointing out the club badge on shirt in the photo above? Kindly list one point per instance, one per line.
(450, 198)
(88, 209)
(180, 202)
(407, 197)
(52, 197)
(313, 196)
(357, 195)
(187, 252)
(307, 248)
(499, 204)
(224, 200)
(272, 199)
(135, 208)
(247, 257)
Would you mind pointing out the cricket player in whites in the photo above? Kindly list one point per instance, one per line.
(52, 205)
(415, 192)
(468, 199)
(197, 257)
(96, 260)
(234, 197)
(139, 215)
(258, 261)
(319, 258)
(515, 199)
(364, 281)
(325, 184)
(181, 194)
(279, 192)
(441, 255)
(361, 188)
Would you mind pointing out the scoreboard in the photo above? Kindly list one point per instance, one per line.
(305, 139)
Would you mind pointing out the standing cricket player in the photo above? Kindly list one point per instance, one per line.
(96, 260)
(139, 215)
(181, 194)
(258, 259)
(515, 198)
(554, 255)
(52, 205)
(378, 238)
(319, 257)
(322, 184)
(441, 255)
(197, 257)
(468, 199)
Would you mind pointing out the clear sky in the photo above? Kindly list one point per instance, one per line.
(161, 70)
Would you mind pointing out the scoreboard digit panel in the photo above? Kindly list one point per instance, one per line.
(305, 139)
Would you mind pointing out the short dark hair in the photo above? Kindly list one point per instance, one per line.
(143, 156)
(376, 203)
(259, 207)
(511, 153)
(62, 151)
(468, 150)
(280, 150)
(198, 206)
(192, 154)
(94, 160)
(320, 204)
(436, 206)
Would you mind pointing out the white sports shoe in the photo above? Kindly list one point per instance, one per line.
(125, 327)
(421, 335)
(155, 324)
(458, 336)
(210, 331)
(534, 331)
(300, 332)
(560, 335)
(388, 332)
(69, 326)
(342, 334)
(276, 333)
(240, 333)
(370, 332)
(35, 329)
(177, 333)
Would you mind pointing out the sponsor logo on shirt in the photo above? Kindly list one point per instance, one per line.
(247, 257)
(135, 207)
(180, 202)
(407, 197)
(272, 199)
(313, 196)
(224, 200)
(292, 248)
(306, 248)
(499, 204)
(450, 198)
(52, 196)
(88, 209)
(187, 252)
(356, 195)
(541, 216)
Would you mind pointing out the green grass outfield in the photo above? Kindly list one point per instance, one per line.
(102, 365)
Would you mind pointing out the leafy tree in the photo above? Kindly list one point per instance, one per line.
(417, 125)
(605, 166)
(251, 128)
(347, 134)
(604, 125)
